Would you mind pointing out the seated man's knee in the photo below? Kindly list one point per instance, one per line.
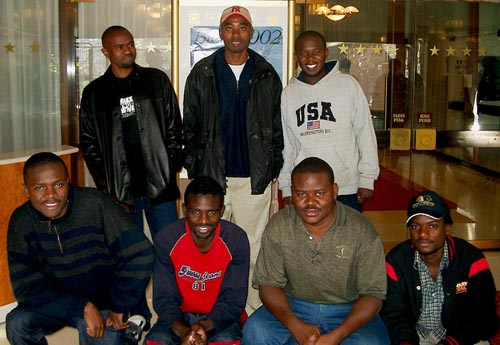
(23, 326)
(256, 329)
(229, 334)
(160, 333)
(14, 325)
(373, 333)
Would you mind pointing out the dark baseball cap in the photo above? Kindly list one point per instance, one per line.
(430, 204)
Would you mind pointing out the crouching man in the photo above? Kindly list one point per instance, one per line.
(440, 288)
(74, 260)
(200, 275)
(320, 270)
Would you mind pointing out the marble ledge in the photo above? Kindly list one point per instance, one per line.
(22, 156)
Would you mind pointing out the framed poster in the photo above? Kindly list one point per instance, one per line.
(199, 33)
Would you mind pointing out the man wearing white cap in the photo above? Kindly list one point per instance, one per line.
(232, 127)
(440, 288)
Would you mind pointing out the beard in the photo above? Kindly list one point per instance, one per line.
(127, 61)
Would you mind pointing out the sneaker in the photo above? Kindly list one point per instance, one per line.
(137, 326)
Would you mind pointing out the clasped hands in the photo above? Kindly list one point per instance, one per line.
(196, 335)
(308, 334)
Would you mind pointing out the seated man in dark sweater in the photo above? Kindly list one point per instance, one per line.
(74, 260)
(200, 275)
(439, 288)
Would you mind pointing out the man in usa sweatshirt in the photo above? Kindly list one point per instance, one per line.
(325, 114)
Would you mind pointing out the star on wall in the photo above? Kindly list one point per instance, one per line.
(343, 49)
(450, 51)
(9, 48)
(466, 51)
(377, 50)
(392, 50)
(483, 52)
(35, 47)
(151, 47)
(168, 47)
(434, 50)
(360, 49)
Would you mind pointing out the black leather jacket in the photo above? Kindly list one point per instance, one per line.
(203, 151)
(160, 129)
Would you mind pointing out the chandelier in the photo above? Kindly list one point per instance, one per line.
(336, 12)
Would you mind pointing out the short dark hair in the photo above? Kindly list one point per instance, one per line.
(206, 186)
(314, 165)
(40, 159)
(110, 30)
(310, 33)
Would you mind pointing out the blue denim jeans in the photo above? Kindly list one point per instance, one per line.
(351, 200)
(26, 327)
(262, 328)
(157, 216)
(161, 332)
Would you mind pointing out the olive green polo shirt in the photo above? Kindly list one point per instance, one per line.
(348, 261)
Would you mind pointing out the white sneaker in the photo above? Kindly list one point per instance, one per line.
(135, 327)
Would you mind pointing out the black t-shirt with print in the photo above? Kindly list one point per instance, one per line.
(132, 139)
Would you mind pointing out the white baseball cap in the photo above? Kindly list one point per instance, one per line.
(235, 11)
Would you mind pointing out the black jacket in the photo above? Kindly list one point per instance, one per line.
(160, 129)
(469, 309)
(203, 151)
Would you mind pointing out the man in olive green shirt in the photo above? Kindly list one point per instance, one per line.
(320, 271)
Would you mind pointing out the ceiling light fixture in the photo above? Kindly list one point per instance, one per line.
(336, 12)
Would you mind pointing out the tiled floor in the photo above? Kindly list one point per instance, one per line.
(476, 195)
(476, 218)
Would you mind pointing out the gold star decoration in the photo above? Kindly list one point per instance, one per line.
(151, 47)
(450, 51)
(392, 50)
(483, 52)
(343, 49)
(168, 47)
(466, 51)
(9, 48)
(377, 50)
(360, 49)
(35, 47)
(434, 50)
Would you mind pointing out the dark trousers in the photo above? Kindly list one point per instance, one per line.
(27, 327)
(158, 217)
(351, 200)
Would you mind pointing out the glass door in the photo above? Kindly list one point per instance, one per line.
(431, 73)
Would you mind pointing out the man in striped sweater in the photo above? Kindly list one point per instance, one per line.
(74, 260)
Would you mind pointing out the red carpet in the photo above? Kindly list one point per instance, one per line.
(393, 192)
